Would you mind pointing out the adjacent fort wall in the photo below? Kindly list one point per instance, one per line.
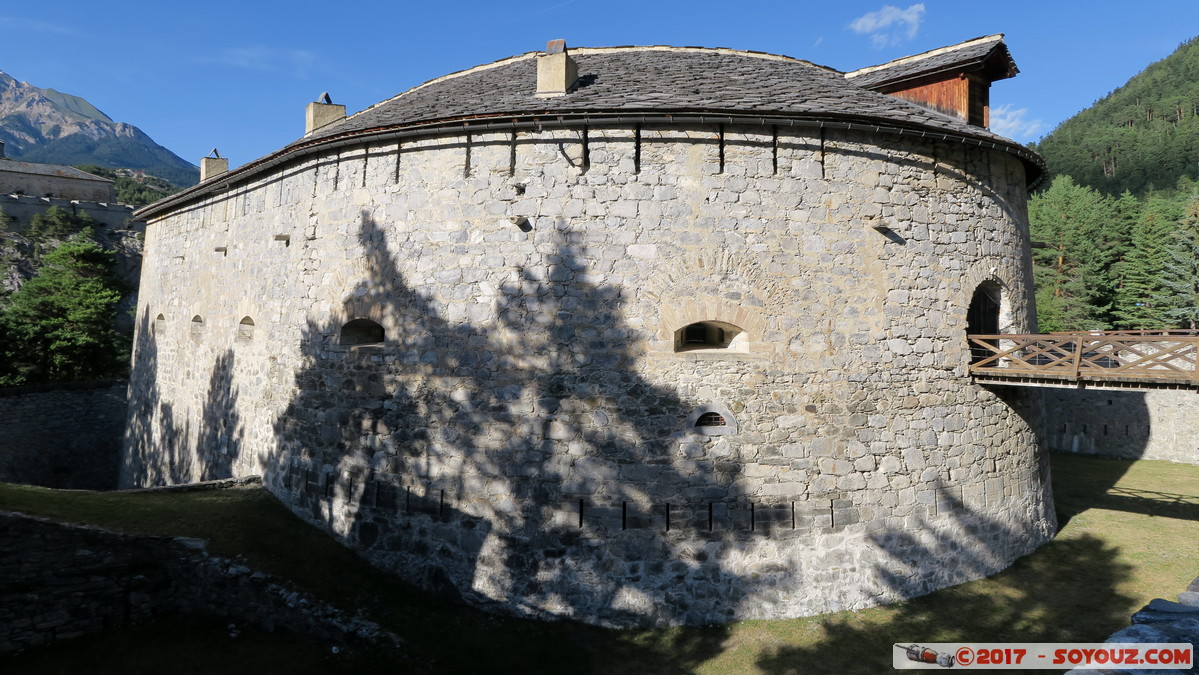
(22, 208)
(62, 435)
(60, 581)
(48, 179)
(1154, 424)
(525, 436)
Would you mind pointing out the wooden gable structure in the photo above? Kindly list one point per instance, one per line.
(953, 80)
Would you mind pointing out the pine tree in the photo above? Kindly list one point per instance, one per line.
(1073, 271)
(1126, 211)
(1180, 272)
(1138, 300)
(1143, 134)
(56, 223)
(60, 324)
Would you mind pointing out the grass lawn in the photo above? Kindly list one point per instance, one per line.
(1127, 535)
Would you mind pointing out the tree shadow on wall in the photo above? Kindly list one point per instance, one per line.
(1112, 424)
(1066, 592)
(508, 452)
(220, 436)
(157, 445)
(155, 448)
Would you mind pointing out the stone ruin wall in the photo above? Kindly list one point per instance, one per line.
(59, 581)
(522, 439)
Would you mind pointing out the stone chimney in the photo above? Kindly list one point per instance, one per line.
(556, 71)
(213, 165)
(322, 112)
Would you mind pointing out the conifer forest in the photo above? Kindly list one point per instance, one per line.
(1115, 229)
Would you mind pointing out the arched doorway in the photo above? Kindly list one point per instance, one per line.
(982, 318)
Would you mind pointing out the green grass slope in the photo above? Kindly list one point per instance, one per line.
(1127, 535)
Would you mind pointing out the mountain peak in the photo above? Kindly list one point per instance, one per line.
(48, 126)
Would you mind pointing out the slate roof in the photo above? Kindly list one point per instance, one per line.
(55, 170)
(653, 81)
(987, 53)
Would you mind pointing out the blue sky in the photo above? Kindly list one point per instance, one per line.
(237, 75)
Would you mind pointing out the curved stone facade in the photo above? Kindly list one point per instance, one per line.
(525, 433)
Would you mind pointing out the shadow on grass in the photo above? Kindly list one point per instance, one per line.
(439, 636)
(187, 646)
(1033, 601)
(1066, 591)
(1087, 482)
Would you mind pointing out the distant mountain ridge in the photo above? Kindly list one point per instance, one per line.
(52, 127)
(1141, 136)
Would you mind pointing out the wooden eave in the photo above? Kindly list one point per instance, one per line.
(996, 65)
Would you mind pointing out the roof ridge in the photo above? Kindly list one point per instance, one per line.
(41, 169)
(997, 37)
(703, 50)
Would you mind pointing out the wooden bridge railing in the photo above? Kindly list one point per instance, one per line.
(1152, 357)
(1176, 332)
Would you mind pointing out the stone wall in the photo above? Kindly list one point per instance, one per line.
(43, 182)
(22, 208)
(62, 435)
(59, 581)
(1157, 424)
(524, 435)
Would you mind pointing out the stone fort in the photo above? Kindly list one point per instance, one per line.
(635, 335)
(28, 188)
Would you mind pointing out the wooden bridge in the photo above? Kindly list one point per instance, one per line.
(1101, 359)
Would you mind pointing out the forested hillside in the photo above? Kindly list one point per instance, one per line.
(132, 188)
(1119, 222)
(1144, 135)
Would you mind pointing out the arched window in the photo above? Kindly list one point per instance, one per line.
(245, 329)
(361, 332)
(712, 419)
(709, 335)
(982, 318)
(197, 327)
(160, 324)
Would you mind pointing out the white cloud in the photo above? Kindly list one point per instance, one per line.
(889, 25)
(33, 25)
(263, 58)
(1014, 124)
